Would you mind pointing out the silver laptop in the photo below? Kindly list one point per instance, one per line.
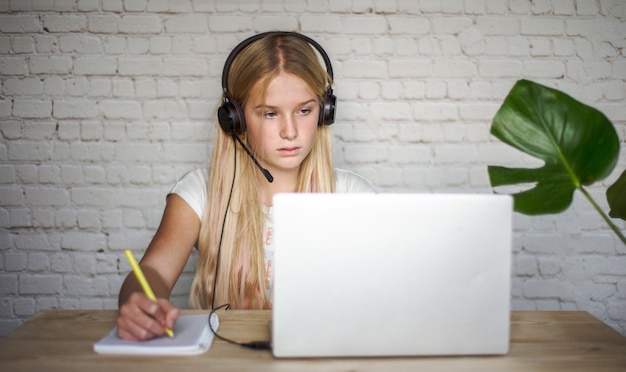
(391, 275)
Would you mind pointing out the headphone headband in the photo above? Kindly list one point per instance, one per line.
(252, 39)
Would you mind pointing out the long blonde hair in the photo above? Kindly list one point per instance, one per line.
(241, 280)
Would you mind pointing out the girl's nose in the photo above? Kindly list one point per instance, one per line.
(288, 129)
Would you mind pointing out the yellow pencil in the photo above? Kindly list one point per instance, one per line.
(144, 283)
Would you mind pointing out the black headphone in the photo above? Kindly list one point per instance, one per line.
(230, 114)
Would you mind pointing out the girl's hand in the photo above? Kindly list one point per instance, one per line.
(141, 319)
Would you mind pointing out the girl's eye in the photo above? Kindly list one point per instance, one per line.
(269, 114)
(305, 111)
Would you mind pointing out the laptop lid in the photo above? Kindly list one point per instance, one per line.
(391, 274)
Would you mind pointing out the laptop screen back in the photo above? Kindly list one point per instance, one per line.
(391, 274)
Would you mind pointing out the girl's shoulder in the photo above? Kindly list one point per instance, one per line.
(350, 182)
(192, 188)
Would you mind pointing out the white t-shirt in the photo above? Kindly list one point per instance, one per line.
(192, 187)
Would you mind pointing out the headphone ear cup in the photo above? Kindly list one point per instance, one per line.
(231, 117)
(327, 113)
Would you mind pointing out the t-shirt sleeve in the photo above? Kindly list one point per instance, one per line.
(349, 182)
(191, 187)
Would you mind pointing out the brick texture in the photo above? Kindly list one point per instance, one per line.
(104, 104)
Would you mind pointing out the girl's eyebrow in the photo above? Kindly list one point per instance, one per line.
(264, 106)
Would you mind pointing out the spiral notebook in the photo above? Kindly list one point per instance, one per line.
(191, 336)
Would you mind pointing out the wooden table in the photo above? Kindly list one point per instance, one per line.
(62, 340)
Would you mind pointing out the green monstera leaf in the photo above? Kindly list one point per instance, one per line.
(577, 143)
(616, 195)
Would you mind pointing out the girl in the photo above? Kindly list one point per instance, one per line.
(274, 137)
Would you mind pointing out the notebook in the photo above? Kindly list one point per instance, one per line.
(191, 336)
(391, 275)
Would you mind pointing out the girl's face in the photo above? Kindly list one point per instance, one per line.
(281, 128)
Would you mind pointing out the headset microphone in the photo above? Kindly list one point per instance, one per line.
(265, 172)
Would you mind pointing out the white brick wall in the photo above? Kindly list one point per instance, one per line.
(104, 104)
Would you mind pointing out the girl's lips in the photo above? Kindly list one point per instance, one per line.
(289, 151)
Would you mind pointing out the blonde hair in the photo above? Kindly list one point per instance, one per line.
(241, 280)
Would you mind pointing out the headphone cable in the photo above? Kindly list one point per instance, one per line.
(219, 246)
(253, 344)
(260, 345)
